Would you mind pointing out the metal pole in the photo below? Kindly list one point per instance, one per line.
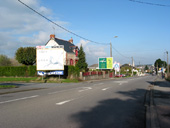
(167, 63)
(132, 66)
(110, 49)
(157, 68)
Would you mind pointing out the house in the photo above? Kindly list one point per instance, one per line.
(93, 67)
(70, 50)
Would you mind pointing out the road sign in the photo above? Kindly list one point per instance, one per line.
(116, 66)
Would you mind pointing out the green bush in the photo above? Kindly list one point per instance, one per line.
(73, 70)
(32, 70)
(18, 71)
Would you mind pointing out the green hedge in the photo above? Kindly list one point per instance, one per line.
(73, 70)
(18, 71)
(32, 70)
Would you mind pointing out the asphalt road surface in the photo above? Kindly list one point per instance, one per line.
(117, 103)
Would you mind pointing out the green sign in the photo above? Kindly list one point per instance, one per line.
(106, 63)
(102, 63)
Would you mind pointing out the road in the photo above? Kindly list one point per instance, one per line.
(117, 103)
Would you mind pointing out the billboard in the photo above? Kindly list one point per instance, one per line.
(105, 62)
(41, 73)
(49, 58)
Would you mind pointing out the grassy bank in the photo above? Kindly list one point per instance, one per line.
(17, 79)
(7, 86)
(36, 79)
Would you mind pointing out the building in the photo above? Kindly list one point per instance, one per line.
(93, 67)
(70, 50)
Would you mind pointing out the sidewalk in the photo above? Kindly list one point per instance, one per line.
(161, 101)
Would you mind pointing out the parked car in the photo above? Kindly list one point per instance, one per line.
(119, 75)
(123, 75)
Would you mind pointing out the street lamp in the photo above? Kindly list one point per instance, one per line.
(111, 46)
(167, 63)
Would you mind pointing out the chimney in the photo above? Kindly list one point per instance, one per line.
(52, 36)
(71, 40)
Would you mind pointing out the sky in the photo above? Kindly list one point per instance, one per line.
(142, 27)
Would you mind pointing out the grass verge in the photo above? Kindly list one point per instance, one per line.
(17, 79)
(37, 79)
(7, 86)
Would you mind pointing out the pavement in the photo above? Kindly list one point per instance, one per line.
(159, 104)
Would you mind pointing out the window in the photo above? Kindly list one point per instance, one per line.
(71, 61)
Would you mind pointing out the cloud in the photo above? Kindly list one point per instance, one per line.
(93, 51)
(21, 27)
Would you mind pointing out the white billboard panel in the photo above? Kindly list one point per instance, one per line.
(50, 58)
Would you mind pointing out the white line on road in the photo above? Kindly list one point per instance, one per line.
(104, 89)
(98, 84)
(24, 98)
(63, 90)
(85, 89)
(121, 82)
(63, 102)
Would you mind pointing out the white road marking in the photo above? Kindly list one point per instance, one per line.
(64, 90)
(24, 98)
(98, 84)
(104, 89)
(85, 89)
(63, 102)
(121, 82)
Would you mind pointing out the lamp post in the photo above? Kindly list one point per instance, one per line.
(167, 63)
(111, 47)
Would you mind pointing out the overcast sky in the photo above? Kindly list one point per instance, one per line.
(143, 30)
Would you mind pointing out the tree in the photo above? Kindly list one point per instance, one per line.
(81, 64)
(146, 68)
(4, 60)
(160, 63)
(26, 56)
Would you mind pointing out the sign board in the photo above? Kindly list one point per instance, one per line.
(105, 62)
(116, 66)
(41, 73)
(49, 58)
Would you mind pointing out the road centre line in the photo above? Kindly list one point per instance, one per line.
(85, 89)
(104, 89)
(24, 98)
(63, 102)
(98, 84)
(64, 90)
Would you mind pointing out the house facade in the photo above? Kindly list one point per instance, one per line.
(70, 50)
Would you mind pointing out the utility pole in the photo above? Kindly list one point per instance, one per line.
(132, 62)
(110, 49)
(157, 68)
(167, 63)
(132, 66)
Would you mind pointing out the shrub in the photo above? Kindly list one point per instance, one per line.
(32, 70)
(18, 71)
(13, 71)
(73, 71)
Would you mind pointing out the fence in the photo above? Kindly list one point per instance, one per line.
(95, 75)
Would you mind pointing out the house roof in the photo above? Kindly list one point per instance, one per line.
(68, 47)
(94, 65)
